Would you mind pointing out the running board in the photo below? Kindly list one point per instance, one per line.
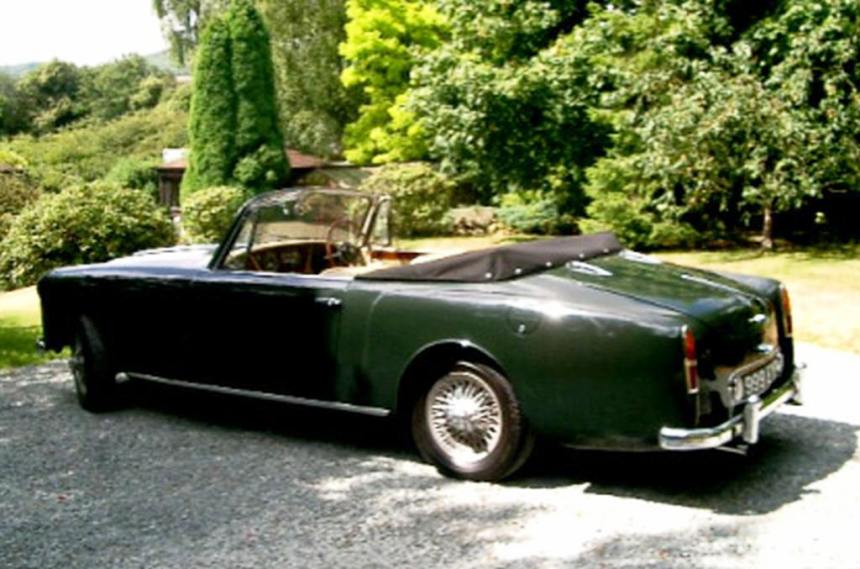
(332, 405)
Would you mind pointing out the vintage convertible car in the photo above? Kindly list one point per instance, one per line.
(305, 301)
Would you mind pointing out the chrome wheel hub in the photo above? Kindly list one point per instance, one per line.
(464, 417)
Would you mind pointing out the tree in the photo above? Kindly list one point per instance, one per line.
(315, 106)
(259, 142)
(212, 124)
(13, 112)
(384, 40)
(118, 87)
(506, 103)
(51, 92)
(182, 21)
(234, 131)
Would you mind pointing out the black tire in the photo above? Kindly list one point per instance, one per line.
(476, 433)
(95, 380)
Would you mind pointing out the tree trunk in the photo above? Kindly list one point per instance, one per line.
(767, 228)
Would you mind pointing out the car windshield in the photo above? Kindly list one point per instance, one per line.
(312, 216)
(295, 218)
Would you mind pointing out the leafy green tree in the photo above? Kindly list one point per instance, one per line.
(129, 83)
(506, 103)
(315, 106)
(13, 109)
(182, 22)
(52, 95)
(212, 127)
(259, 143)
(384, 41)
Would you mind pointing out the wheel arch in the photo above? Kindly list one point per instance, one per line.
(429, 362)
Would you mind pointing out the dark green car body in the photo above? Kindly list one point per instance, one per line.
(594, 350)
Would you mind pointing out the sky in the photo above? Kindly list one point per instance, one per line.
(85, 32)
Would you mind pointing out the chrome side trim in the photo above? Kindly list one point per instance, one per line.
(335, 405)
(745, 425)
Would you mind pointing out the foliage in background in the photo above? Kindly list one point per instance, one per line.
(421, 198)
(58, 94)
(212, 126)
(13, 108)
(506, 103)
(16, 193)
(384, 40)
(234, 131)
(135, 174)
(88, 153)
(533, 212)
(82, 224)
(127, 84)
(714, 137)
(262, 163)
(182, 22)
(314, 104)
(208, 213)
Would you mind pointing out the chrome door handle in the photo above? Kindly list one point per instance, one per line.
(329, 301)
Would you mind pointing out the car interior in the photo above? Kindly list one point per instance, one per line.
(317, 232)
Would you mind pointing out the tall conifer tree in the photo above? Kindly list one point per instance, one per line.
(212, 129)
(259, 142)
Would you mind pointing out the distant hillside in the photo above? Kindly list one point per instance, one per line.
(162, 60)
(18, 70)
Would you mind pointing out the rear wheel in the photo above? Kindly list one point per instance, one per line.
(468, 423)
(95, 381)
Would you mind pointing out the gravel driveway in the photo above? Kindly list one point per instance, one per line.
(184, 480)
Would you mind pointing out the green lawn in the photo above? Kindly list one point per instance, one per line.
(20, 326)
(824, 287)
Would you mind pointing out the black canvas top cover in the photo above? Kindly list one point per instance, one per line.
(502, 263)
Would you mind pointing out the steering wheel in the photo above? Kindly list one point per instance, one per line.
(343, 253)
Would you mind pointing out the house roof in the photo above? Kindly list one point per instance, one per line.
(298, 161)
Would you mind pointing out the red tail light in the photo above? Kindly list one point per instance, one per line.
(786, 311)
(691, 364)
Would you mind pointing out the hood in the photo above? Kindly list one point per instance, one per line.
(183, 257)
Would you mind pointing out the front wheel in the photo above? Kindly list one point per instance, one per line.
(468, 423)
(95, 382)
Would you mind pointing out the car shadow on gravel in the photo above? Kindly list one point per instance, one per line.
(295, 422)
(793, 453)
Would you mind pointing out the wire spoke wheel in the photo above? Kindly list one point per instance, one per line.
(77, 363)
(464, 416)
(468, 423)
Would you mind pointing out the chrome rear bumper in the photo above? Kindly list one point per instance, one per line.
(745, 425)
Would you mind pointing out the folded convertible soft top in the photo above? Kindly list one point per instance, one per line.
(501, 263)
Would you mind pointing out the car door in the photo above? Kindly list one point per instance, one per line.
(267, 332)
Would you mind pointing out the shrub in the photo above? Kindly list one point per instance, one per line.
(16, 192)
(9, 158)
(135, 174)
(634, 225)
(207, 214)
(82, 224)
(534, 212)
(421, 198)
